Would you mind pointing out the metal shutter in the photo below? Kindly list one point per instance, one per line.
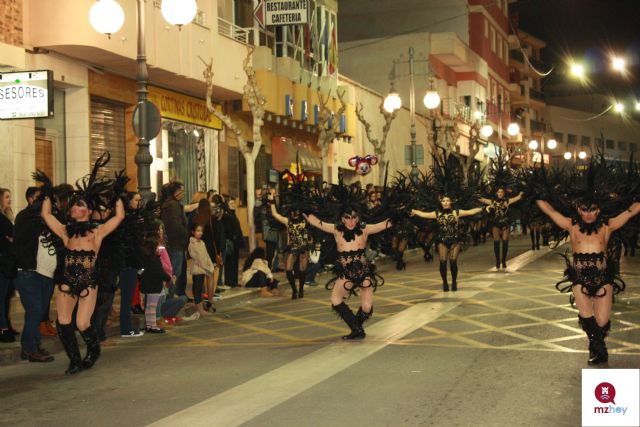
(108, 133)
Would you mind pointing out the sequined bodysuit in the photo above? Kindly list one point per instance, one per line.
(500, 213)
(355, 269)
(448, 232)
(592, 272)
(297, 235)
(78, 272)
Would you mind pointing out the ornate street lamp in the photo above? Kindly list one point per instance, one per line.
(179, 12)
(106, 17)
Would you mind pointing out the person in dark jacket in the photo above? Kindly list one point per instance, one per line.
(129, 275)
(152, 281)
(7, 265)
(234, 242)
(219, 237)
(176, 231)
(36, 268)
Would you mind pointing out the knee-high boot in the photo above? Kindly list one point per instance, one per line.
(301, 279)
(90, 338)
(505, 249)
(350, 319)
(426, 247)
(443, 274)
(292, 282)
(496, 252)
(363, 316)
(597, 348)
(453, 265)
(67, 336)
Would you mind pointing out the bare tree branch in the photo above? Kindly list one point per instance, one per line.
(379, 145)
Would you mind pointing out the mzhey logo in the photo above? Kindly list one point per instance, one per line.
(605, 393)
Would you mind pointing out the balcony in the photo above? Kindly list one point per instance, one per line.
(234, 32)
(538, 127)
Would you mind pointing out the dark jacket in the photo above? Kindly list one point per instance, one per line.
(153, 276)
(232, 229)
(26, 235)
(6, 230)
(175, 225)
(219, 233)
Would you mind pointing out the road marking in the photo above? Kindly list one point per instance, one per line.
(232, 408)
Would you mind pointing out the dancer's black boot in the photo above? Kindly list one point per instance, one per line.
(538, 240)
(400, 264)
(90, 338)
(67, 336)
(350, 319)
(596, 334)
(292, 282)
(301, 278)
(363, 316)
(453, 265)
(532, 234)
(496, 252)
(427, 252)
(443, 274)
(505, 249)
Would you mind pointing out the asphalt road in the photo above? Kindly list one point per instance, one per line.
(504, 350)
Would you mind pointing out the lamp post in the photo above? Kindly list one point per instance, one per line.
(431, 101)
(107, 17)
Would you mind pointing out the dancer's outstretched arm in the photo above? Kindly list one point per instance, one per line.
(485, 201)
(516, 198)
(620, 220)
(377, 228)
(113, 222)
(423, 214)
(470, 212)
(559, 219)
(324, 226)
(281, 219)
(52, 222)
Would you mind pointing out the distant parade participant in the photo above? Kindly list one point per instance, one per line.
(82, 240)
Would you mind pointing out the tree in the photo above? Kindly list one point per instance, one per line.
(328, 128)
(449, 142)
(256, 102)
(379, 145)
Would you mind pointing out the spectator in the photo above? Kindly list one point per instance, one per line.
(8, 265)
(271, 231)
(256, 274)
(203, 217)
(234, 242)
(219, 237)
(170, 304)
(152, 281)
(177, 233)
(257, 216)
(129, 275)
(34, 281)
(202, 266)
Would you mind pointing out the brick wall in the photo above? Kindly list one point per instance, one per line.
(11, 22)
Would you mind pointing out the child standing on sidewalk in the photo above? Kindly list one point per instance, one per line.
(152, 281)
(201, 268)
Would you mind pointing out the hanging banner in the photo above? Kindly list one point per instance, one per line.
(286, 12)
(184, 108)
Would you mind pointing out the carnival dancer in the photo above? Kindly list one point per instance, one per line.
(501, 179)
(82, 239)
(591, 215)
(355, 274)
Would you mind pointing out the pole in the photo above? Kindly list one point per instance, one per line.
(412, 109)
(143, 157)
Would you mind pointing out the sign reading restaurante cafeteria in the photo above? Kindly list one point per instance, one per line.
(286, 12)
(184, 108)
(26, 94)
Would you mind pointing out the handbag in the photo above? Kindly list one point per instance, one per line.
(219, 261)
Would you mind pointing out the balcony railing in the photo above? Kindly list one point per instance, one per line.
(234, 32)
(538, 127)
(453, 109)
(535, 94)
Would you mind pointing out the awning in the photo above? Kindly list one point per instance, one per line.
(283, 155)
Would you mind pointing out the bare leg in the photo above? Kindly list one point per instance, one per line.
(602, 306)
(86, 305)
(339, 292)
(583, 302)
(366, 297)
(65, 304)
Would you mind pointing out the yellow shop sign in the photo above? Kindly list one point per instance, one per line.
(185, 108)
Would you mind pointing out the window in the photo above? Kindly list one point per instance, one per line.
(506, 53)
(585, 141)
(622, 146)
(486, 28)
(559, 136)
(499, 49)
(610, 144)
(633, 147)
(572, 139)
(493, 40)
(108, 133)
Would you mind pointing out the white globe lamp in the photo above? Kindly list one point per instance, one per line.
(582, 155)
(431, 99)
(513, 129)
(486, 131)
(567, 155)
(179, 12)
(533, 145)
(392, 102)
(106, 17)
(552, 144)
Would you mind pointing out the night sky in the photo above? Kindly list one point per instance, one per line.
(590, 29)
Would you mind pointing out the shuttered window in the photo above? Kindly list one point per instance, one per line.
(108, 133)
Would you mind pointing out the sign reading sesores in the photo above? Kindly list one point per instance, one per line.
(286, 12)
(26, 94)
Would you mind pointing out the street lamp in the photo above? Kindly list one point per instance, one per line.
(107, 17)
(533, 145)
(618, 107)
(582, 155)
(577, 70)
(618, 64)
(486, 131)
(393, 102)
(552, 144)
(513, 129)
(567, 155)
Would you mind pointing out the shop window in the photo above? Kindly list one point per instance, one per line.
(108, 133)
(572, 139)
(622, 146)
(611, 144)
(559, 136)
(585, 141)
(183, 147)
